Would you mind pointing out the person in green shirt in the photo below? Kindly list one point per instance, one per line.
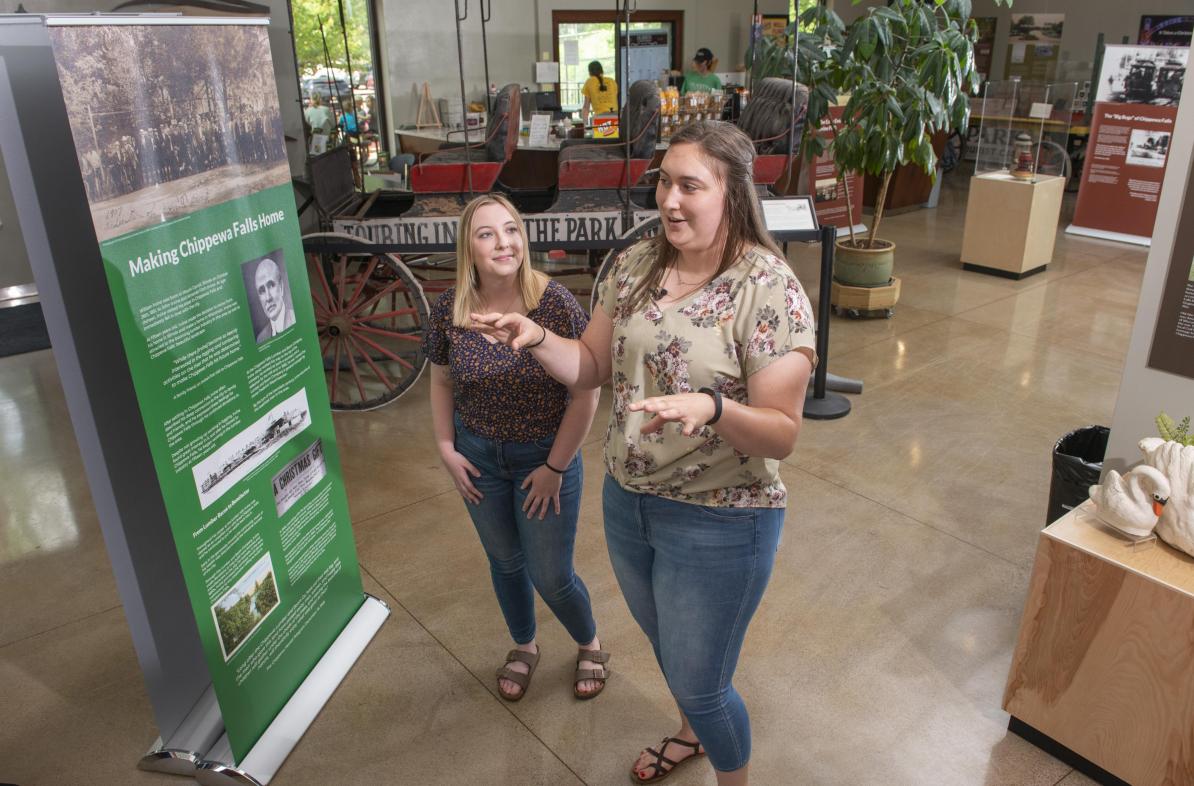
(701, 79)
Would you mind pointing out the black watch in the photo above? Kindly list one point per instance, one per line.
(716, 405)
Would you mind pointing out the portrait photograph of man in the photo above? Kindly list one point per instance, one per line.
(270, 305)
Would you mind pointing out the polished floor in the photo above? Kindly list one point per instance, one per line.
(879, 654)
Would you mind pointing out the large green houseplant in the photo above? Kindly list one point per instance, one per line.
(906, 68)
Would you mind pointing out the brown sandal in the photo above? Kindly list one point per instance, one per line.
(661, 759)
(600, 657)
(531, 659)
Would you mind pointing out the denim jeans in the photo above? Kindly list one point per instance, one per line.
(693, 577)
(524, 553)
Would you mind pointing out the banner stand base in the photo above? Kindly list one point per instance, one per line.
(219, 767)
(169, 760)
(183, 752)
(1102, 234)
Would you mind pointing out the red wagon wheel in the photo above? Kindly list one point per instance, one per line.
(371, 314)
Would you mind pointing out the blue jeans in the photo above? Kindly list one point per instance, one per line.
(693, 577)
(527, 554)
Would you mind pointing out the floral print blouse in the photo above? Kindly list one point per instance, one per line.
(737, 324)
(502, 393)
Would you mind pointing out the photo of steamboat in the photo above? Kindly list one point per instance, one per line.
(279, 429)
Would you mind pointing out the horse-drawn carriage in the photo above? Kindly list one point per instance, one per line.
(382, 253)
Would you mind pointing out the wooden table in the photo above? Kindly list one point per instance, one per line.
(1104, 663)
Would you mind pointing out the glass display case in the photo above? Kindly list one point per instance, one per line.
(1024, 130)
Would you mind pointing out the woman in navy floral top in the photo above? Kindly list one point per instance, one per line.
(509, 435)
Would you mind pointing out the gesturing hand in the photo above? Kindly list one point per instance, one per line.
(692, 409)
(545, 489)
(513, 329)
(460, 469)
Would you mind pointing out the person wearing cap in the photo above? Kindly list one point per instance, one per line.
(701, 79)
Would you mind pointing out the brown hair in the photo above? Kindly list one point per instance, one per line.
(468, 296)
(731, 156)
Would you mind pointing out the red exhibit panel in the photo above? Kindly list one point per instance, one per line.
(1125, 165)
(829, 189)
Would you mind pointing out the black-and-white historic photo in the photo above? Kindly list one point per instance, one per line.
(1143, 75)
(169, 119)
(249, 449)
(271, 308)
(1147, 147)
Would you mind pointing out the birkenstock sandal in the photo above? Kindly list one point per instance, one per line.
(600, 674)
(531, 659)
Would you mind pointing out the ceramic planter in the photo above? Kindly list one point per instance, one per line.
(863, 267)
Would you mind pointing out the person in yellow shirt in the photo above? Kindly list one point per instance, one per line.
(600, 92)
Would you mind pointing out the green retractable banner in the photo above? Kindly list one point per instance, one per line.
(179, 140)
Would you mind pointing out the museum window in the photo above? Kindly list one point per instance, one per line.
(337, 50)
(580, 37)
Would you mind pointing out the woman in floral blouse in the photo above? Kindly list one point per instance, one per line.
(509, 436)
(707, 338)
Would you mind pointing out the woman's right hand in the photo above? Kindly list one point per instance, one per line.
(513, 329)
(460, 469)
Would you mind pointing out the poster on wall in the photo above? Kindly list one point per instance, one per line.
(984, 46)
(188, 184)
(1173, 338)
(775, 27)
(1162, 30)
(829, 188)
(1034, 46)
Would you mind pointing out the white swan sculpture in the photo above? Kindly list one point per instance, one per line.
(1132, 503)
(1176, 462)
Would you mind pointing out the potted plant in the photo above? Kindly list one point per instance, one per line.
(906, 68)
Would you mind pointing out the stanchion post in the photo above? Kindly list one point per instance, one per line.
(821, 404)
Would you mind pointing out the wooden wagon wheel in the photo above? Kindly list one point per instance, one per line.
(371, 313)
(649, 228)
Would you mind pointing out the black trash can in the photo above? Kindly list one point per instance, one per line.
(1077, 463)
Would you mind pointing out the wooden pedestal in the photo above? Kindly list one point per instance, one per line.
(1104, 663)
(1011, 224)
(864, 301)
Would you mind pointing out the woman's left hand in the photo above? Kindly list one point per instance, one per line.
(545, 489)
(692, 409)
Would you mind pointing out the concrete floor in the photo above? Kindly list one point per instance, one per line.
(879, 654)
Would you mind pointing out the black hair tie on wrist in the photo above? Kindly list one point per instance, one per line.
(716, 405)
(553, 469)
(540, 341)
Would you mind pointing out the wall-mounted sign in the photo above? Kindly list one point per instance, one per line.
(1163, 30)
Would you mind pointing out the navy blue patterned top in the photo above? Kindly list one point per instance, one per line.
(501, 393)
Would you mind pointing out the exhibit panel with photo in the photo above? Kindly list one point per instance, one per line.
(1135, 113)
(184, 168)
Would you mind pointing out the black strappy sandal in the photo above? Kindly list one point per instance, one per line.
(661, 759)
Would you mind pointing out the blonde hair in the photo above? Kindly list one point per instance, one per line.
(531, 282)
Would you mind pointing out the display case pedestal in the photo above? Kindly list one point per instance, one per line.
(1011, 224)
(1103, 670)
